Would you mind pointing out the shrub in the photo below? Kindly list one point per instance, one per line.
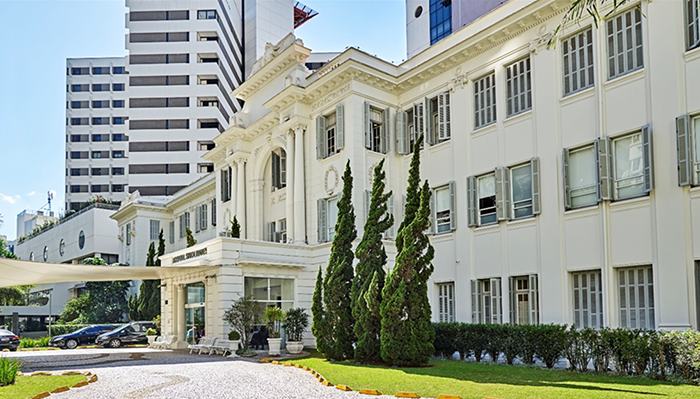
(234, 335)
(621, 341)
(8, 370)
(494, 335)
(34, 343)
(297, 321)
(687, 353)
(151, 331)
(462, 344)
(577, 351)
(528, 338)
(601, 344)
(476, 338)
(511, 341)
(551, 343)
(446, 337)
(242, 315)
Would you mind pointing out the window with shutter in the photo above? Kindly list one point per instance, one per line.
(522, 193)
(577, 61)
(154, 230)
(444, 116)
(197, 215)
(321, 142)
(636, 297)
(604, 168)
(418, 122)
(431, 120)
(523, 300)
(391, 231)
(446, 302)
(693, 20)
(503, 200)
(485, 101)
(340, 128)
(213, 212)
(534, 300)
(625, 51)
(476, 304)
(332, 215)
(367, 126)
(203, 218)
(647, 159)
(443, 206)
(172, 232)
(225, 184)
(587, 299)
(275, 171)
(321, 222)
(385, 131)
(580, 180)
(472, 202)
(270, 230)
(282, 233)
(683, 147)
(486, 193)
(401, 132)
(518, 87)
(628, 166)
(374, 129)
(496, 306)
(695, 148)
(182, 226)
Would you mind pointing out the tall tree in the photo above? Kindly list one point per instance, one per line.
(108, 299)
(406, 332)
(191, 241)
(235, 228)
(371, 258)
(318, 323)
(339, 275)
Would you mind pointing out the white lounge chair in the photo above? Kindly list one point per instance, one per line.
(164, 342)
(221, 346)
(205, 344)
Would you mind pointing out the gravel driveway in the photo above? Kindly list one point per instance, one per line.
(134, 373)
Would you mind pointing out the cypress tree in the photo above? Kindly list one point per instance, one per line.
(235, 228)
(339, 275)
(406, 332)
(191, 241)
(318, 325)
(146, 290)
(154, 300)
(371, 260)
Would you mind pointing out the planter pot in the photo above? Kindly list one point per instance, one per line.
(274, 344)
(233, 345)
(295, 347)
(151, 339)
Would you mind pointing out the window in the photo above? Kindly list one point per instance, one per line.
(625, 52)
(213, 212)
(521, 182)
(205, 145)
(100, 154)
(577, 52)
(79, 104)
(688, 145)
(184, 224)
(487, 199)
(79, 154)
(200, 216)
(154, 229)
(100, 121)
(79, 88)
(117, 188)
(282, 233)
(440, 20)
(100, 104)
(636, 297)
(118, 103)
(206, 14)
(78, 172)
(79, 121)
(524, 300)
(80, 71)
(62, 247)
(271, 232)
(327, 218)
(117, 171)
(118, 86)
(171, 231)
(438, 110)
(628, 166)
(79, 189)
(518, 87)
(406, 131)
(226, 184)
(693, 20)
(99, 171)
(118, 120)
(278, 168)
(376, 125)
(100, 70)
(100, 87)
(271, 291)
(446, 302)
(119, 137)
(79, 138)
(205, 167)
(588, 299)
(329, 133)
(118, 70)
(81, 239)
(486, 301)
(46, 254)
(99, 188)
(485, 101)
(580, 179)
(444, 219)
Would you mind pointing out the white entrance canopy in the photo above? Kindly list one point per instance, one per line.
(21, 272)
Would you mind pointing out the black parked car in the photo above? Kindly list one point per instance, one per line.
(84, 336)
(132, 333)
(8, 340)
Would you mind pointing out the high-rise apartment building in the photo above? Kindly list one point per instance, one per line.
(146, 126)
(96, 139)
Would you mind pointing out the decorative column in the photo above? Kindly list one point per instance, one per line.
(234, 193)
(299, 205)
(290, 187)
(179, 313)
(240, 197)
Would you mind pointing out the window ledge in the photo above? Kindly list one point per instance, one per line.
(626, 78)
(694, 192)
(578, 96)
(692, 54)
(487, 228)
(330, 156)
(582, 209)
(517, 117)
(522, 222)
(442, 144)
(485, 129)
(630, 201)
(442, 237)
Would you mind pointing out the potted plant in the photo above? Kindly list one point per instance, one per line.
(234, 338)
(297, 321)
(273, 317)
(151, 335)
(242, 316)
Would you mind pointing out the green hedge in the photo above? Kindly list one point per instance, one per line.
(34, 342)
(60, 329)
(656, 354)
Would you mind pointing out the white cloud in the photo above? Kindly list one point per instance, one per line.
(7, 198)
(30, 194)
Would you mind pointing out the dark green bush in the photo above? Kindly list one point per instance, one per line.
(511, 341)
(476, 338)
(446, 337)
(494, 347)
(551, 343)
(34, 342)
(529, 336)
(578, 351)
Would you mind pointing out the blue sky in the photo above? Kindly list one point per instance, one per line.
(36, 37)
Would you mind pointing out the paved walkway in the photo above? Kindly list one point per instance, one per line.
(135, 373)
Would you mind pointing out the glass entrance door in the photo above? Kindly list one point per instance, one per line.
(195, 312)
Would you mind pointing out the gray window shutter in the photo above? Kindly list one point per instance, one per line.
(229, 184)
(339, 127)
(386, 131)
(502, 193)
(222, 180)
(648, 159)
(536, 201)
(685, 160)
(603, 156)
(322, 221)
(476, 308)
(391, 231)
(368, 199)
(197, 223)
(496, 309)
(403, 206)
(534, 300)
(368, 127)
(471, 202)
(401, 132)
(203, 219)
(453, 207)
(182, 225)
(320, 137)
(444, 132)
(433, 225)
(270, 231)
(418, 120)
(213, 212)
(513, 301)
(275, 169)
(429, 127)
(567, 190)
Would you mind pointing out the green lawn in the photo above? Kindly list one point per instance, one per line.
(27, 387)
(474, 380)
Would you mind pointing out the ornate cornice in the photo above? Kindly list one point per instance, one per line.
(196, 192)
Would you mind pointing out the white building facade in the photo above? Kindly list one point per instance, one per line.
(564, 180)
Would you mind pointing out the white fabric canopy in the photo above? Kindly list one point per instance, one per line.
(21, 272)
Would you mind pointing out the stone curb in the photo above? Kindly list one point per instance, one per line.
(90, 379)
